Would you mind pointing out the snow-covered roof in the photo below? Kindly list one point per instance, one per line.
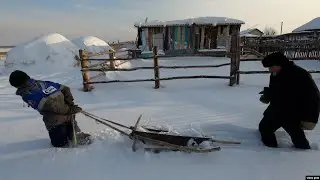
(249, 35)
(199, 21)
(311, 25)
(247, 31)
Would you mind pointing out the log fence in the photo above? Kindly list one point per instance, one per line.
(294, 51)
(109, 65)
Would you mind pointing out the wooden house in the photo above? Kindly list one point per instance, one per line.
(4, 50)
(308, 31)
(203, 33)
(252, 32)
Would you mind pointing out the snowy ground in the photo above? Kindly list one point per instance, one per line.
(188, 107)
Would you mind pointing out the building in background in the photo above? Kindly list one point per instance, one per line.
(202, 33)
(308, 31)
(4, 50)
(253, 32)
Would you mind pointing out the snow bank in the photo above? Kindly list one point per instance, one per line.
(52, 50)
(91, 44)
(188, 107)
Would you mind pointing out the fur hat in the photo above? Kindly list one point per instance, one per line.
(18, 78)
(275, 59)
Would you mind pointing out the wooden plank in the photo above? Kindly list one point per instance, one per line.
(161, 67)
(268, 72)
(162, 79)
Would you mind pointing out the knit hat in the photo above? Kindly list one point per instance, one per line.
(18, 78)
(275, 59)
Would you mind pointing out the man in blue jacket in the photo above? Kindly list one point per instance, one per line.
(54, 102)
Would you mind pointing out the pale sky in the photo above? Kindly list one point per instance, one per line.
(22, 20)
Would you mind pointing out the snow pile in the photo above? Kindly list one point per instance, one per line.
(209, 20)
(91, 44)
(52, 50)
(95, 45)
(311, 25)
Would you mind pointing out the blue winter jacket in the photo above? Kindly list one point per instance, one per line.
(52, 100)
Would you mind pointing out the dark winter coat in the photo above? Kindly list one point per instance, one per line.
(57, 108)
(293, 95)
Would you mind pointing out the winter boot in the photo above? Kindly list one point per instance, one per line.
(83, 138)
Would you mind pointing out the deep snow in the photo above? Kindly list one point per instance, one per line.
(188, 107)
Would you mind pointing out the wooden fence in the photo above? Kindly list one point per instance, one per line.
(293, 51)
(308, 49)
(110, 66)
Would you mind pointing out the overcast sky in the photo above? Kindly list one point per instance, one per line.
(111, 20)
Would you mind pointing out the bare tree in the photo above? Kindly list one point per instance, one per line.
(270, 31)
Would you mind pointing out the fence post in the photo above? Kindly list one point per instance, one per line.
(111, 57)
(234, 64)
(85, 73)
(156, 68)
(238, 55)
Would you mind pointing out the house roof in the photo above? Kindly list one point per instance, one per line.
(247, 32)
(309, 26)
(199, 21)
(249, 35)
(301, 33)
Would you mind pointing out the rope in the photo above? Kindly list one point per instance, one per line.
(75, 140)
(96, 117)
(110, 126)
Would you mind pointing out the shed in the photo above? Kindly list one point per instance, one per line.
(188, 34)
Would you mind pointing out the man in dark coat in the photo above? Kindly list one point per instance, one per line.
(294, 102)
(54, 102)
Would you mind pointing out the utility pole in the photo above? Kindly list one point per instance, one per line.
(281, 28)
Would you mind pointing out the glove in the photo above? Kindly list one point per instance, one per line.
(74, 109)
(264, 100)
(265, 97)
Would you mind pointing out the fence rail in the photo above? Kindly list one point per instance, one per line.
(268, 72)
(163, 79)
(160, 67)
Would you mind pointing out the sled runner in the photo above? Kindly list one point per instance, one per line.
(157, 140)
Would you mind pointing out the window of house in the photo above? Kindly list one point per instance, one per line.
(157, 30)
